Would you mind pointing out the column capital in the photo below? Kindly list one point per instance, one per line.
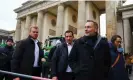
(40, 11)
(28, 15)
(61, 4)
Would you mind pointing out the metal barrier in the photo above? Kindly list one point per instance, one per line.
(23, 75)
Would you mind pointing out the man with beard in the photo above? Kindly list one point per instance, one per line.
(28, 55)
(90, 56)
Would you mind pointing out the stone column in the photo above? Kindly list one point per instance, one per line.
(45, 28)
(34, 20)
(127, 36)
(110, 18)
(120, 28)
(27, 26)
(60, 20)
(18, 30)
(81, 18)
(89, 15)
(40, 24)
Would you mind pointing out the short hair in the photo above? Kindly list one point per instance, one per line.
(95, 23)
(68, 31)
(35, 27)
(114, 37)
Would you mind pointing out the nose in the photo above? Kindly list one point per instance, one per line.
(68, 38)
(85, 29)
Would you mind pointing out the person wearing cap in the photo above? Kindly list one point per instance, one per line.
(5, 58)
(28, 56)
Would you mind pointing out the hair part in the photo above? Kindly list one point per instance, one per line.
(95, 23)
(114, 37)
(69, 31)
(35, 27)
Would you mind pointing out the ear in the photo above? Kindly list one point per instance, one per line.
(96, 30)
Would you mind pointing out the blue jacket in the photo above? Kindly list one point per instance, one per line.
(118, 72)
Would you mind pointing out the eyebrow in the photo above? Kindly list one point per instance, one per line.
(87, 26)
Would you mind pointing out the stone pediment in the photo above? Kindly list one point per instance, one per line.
(35, 6)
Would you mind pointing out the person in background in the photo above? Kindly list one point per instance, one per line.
(58, 42)
(60, 66)
(5, 58)
(128, 61)
(117, 71)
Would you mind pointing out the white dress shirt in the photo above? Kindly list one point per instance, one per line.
(36, 53)
(69, 46)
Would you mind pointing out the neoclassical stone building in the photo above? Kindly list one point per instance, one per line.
(4, 35)
(55, 17)
(125, 26)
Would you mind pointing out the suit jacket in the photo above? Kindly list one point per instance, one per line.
(60, 59)
(85, 61)
(23, 57)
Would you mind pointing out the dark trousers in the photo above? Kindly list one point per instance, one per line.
(6, 76)
(45, 70)
(129, 69)
(82, 78)
(66, 76)
(36, 71)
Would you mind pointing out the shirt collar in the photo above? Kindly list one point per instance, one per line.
(35, 40)
(70, 44)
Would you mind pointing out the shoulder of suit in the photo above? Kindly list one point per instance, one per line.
(21, 42)
(80, 40)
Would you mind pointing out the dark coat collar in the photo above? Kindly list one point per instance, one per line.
(31, 41)
(9, 47)
(84, 39)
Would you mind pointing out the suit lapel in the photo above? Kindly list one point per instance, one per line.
(65, 50)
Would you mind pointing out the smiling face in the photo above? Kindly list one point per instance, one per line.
(90, 29)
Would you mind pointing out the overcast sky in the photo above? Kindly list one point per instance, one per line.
(8, 16)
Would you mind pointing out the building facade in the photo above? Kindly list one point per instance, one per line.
(125, 26)
(4, 35)
(55, 17)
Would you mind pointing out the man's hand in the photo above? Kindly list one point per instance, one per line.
(54, 78)
(16, 78)
(43, 60)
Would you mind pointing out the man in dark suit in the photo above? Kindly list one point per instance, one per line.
(88, 61)
(60, 67)
(28, 55)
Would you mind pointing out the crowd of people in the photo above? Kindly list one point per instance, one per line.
(90, 57)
